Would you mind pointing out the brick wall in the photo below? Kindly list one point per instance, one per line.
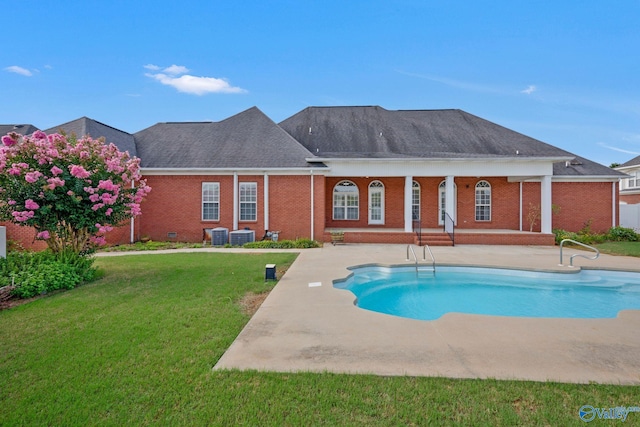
(175, 204)
(582, 202)
(630, 199)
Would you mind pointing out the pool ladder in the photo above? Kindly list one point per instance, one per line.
(425, 248)
(575, 255)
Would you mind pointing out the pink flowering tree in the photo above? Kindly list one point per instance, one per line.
(72, 191)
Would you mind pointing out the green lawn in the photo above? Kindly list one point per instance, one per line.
(137, 348)
(620, 248)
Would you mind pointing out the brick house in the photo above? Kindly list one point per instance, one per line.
(374, 175)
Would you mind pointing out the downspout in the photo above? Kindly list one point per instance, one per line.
(312, 207)
(132, 236)
(235, 200)
(266, 201)
(614, 192)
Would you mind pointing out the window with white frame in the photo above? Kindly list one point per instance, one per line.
(483, 201)
(346, 201)
(210, 201)
(634, 180)
(248, 201)
(415, 201)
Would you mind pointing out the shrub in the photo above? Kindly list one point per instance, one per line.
(35, 273)
(283, 244)
(622, 234)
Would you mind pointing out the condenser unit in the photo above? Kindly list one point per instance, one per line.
(240, 237)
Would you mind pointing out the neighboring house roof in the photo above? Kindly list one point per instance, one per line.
(373, 132)
(633, 162)
(85, 126)
(24, 129)
(249, 139)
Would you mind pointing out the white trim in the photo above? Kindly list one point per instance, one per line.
(248, 185)
(216, 185)
(230, 171)
(408, 203)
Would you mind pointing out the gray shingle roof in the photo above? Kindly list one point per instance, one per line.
(23, 129)
(580, 166)
(249, 139)
(374, 132)
(85, 126)
(633, 162)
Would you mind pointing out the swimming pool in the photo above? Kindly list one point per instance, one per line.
(401, 291)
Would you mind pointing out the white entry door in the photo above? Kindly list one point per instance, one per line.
(376, 203)
(442, 203)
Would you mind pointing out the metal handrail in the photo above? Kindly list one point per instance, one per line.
(575, 255)
(424, 256)
(449, 227)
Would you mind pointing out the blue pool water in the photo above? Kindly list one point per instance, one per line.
(400, 291)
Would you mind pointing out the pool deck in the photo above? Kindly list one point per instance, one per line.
(318, 329)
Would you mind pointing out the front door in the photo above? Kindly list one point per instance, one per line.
(376, 203)
(442, 203)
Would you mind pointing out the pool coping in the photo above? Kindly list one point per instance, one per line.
(318, 329)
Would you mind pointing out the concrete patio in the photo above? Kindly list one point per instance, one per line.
(318, 328)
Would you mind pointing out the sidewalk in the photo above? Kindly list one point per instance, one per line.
(318, 328)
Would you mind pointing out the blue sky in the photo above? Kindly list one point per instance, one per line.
(564, 72)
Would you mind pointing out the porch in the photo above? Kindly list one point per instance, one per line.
(437, 236)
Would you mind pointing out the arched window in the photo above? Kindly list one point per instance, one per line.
(415, 201)
(346, 201)
(483, 201)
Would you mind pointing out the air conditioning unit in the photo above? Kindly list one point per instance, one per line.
(240, 237)
(219, 236)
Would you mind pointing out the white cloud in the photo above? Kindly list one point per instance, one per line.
(190, 84)
(621, 150)
(176, 70)
(19, 70)
(529, 90)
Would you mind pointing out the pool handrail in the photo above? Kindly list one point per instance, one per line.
(424, 256)
(575, 255)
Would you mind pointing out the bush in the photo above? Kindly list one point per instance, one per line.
(622, 234)
(586, 236)
(283, 244)
(35, 273)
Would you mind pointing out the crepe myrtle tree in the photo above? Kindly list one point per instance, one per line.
(71, 190)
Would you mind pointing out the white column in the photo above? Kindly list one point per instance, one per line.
(450, 197)
(235, 200)
(408, 193)
(545, 205)
(521, 183)
(266, 201)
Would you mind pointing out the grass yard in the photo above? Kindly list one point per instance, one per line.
(620, 248)
(137, 347)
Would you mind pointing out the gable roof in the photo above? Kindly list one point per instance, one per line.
(95, 129)
(24, 129)
(374, 132)
(248, 139)
(633, 162)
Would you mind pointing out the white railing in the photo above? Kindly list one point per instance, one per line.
(575, 255)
